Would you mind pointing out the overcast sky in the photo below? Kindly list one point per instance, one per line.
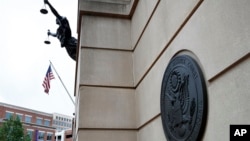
(24, 58)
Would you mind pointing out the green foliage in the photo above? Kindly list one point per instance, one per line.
(12, 130)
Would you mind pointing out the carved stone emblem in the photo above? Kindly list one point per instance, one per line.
(183, 100)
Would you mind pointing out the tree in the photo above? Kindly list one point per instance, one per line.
(12, 130)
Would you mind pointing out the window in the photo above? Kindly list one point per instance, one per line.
(30, 133)
(39, 121)
(68, 136)
(47, 122)
(40, 136)
(20, 116)
(49, 136)
(27, 118)
(8, 114)
(59, 138)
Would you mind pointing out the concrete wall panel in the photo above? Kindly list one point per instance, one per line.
(218, 33)
(149, 91)
(100, 6)
(106, 108)
(114, 1)
(228, 102)
(106, 135)
(106, 68)
(152, 132)
(104, 32)
(140, 18)
(165, 22)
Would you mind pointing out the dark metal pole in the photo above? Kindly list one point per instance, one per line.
(63, 84)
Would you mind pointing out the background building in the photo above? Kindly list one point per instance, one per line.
(64, 135)
(62, 122)
(37, 124)
(124, 48)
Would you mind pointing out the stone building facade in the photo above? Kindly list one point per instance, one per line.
(124, 48)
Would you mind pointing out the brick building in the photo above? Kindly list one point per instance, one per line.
(37, 124)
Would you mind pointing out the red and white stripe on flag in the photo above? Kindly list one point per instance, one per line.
(46, 82)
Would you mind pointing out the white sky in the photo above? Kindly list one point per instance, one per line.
(24, 58)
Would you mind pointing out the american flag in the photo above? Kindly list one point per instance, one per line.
(46, 82)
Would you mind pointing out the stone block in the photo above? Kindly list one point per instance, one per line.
(140, 18)
(104, 32)
(106, 68)
(106, 135)
(118, 7)
(153, 131)
(106, 108)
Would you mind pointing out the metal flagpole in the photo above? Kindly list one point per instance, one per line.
(62, 83)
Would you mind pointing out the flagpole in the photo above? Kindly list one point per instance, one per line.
(62, 83)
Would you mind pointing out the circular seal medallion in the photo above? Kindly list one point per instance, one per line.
(183, 100)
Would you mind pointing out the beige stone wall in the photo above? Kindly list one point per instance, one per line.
(122, 59)
(105, 83)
